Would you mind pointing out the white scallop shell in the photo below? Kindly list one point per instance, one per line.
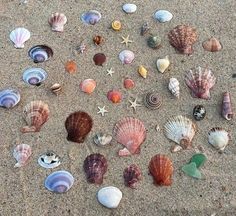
(19, 36)
(126, 56)
(163, 64)
(163, 16)
(218, 138)
(129, 8)
(174, 87)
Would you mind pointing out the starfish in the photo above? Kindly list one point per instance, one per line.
(110, 72)
(126, 40)
(102, 111)
(134, 104)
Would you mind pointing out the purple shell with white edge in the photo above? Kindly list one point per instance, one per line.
(126, 56)
(91, 17)
(9, 98)
(34, 76)
(40, 53)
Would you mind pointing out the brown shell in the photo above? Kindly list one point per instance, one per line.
(132, 174)
(98, 40)
(78, 125)
(161, 169)
(182, 37)
(95, 166)
(212, 45)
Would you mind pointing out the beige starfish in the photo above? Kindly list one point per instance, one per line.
(126, 40)
(110, 72)
(102, 110)
(134, 104)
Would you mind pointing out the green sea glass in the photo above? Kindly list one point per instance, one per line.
(199, 159)
(191, 170)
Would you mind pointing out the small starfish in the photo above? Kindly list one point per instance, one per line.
(126, 40)
(102, 111)
(110, 72)
(134, 104)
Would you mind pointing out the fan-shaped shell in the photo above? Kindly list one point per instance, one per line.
(163, 16)
(114, 96)
(34, 76)
(19, 36)
(88, 86)
(152, 100)
(131, 133)
(102, 139)
(49, 160)
(161, 168)
(227, 111)
(91, 17)
(212, 45)
(40, 53)
(126, 56)
(71, 67)
(132, 175)
(57, 22)
(129, 83)
(174, 87)
(95, 166)
(99, 59)
(22, 154)
(78, 126)
(36, 113)
(9, 98)
(129, 8)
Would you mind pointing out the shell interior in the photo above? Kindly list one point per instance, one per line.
(34, 76)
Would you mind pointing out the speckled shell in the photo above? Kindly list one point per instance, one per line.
(152, 100)
(22, 153)
(102, 139)
(91, 17)
(57, 22)
(199, 112)
(19, 36)
(114, 96)
(132, 175)
(212, 45)
(163, 16)
(49, 160)
(9, 98)
(98, 40)
(174, 87)
(88, 86)
(126, 56)
(34, 76)
(40, 53)
(227, 111)
(129, 8)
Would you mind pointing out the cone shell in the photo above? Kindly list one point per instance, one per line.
(88, 86)
(129, 83)
(131, 133)
(78, 126)
(227, 111)
(99, 59)
(19, 36)
(22, 153)
(56, 88)
(126, 56)
(40, 53)
(174, 87)
(71, 67)
(152, 100)
(98, 40)
(142, 71)
(212, 45)
(161, 168)
(114, 96)
(163, 64)
(57, 22)
(9, 98)
(116, 25)
(36, 113)
(102, 139)
(91, 17)
(132, 175)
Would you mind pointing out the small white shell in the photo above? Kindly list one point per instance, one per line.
(163, 64)
(129, 8)
(102, 139)
(174, 87)
(19, 36)
(126, 56)
(163, 16)
(49, 160)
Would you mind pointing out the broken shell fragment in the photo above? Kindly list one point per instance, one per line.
(9, 98)
(227, 111)
(163, 64)
(163, 16)
(22, 153)
(154, 42)
(49, 160)
(212, 45)
(88, 86)
(126, 56)
(142, 71)
(99, 59)
(174, 87)
(102, 139)
(116, 25)
(57, 22)
(56, 88)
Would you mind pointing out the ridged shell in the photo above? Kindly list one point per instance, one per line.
(99, 59)
(34, 76)
(40, 53)
(36, 113)
(9, 98)
(131, 133)
(182, 37)
(227, 111)
(19, 36)
(114, 96)
(132, 175)
(129, 83)
(56, 88)
(212, 45)
(174, 87)
(22, 153)
(71, 67)
(200, 81)
(116, 25)
(154, 42)
(78, 126)
(163, 16)
(163, 64)
(152, 100)
(126, 56)
(59, 181)
(57, 22)
(161, 168)
(91, 17)
(142, 71)
(49, 160)
(88, 86)
(95, 166)
(129, 8)
(102, 139)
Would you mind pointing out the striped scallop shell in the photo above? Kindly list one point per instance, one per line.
(57, 22)
(22, 153)
(40, 53)
(34, 76)
(19, 36)
(9, 98)
(152, 100)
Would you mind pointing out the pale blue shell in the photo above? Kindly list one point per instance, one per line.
(59, 181)
(9, 98)
(163, 16)
(34, 76)
(40, 53)
(91, 17)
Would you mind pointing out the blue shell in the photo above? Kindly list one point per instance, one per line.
(34, 76)
(9, 98)
(163, 16)
(91, 17)
(59, 181)
(40, 53)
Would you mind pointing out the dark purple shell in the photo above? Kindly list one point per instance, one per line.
(132, 174)
(99, 59)
(95, 166)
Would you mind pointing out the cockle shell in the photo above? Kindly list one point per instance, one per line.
(227, 111)
(200, 81)
(19, 36)
(114, 96)
(22, 153)
(152, 100)
(163, 64)
(78, 126)
(102, 139)
(163, 16)
(95, 166)
(59, 181)
(126, 56)
(9, 98)
(131, 133)
(161, 168)
(98, 40)
(56, 88)
(212, 45)
(132, 175)
(142, 71)
(129, 8)
(129, 83)
(40, 53)
(34, 76)
(57, 22)
(49, 160)
(71, 67)
(174, 87)
(88, 86)
(182, 37)
(99, 59)
(109, 197)
(91, 17)
(154, 42)
(116, 25)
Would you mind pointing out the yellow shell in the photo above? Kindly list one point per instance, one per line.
(116, 25)
(142, 71)
(163, 64)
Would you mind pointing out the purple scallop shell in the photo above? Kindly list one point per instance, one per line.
(132, 174)
(126, 56)
(40, 53)
(91, 17)
(9, 98)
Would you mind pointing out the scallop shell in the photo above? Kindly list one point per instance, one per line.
(95, 166)
(129, 8)
(114, 96)
(227, 111)
(142, 71)
(116, 25)
(59, 181)
(144, 29)
(126, 56)
(182, 37)
(34, 76)
(19, 36)
(57, 22)
(78, 126)
(56, 88)
(200, 81)
(36, 113)
(99, 59)
(152, 100)
(174, 87)
(132, 175)
(88, 86)
(71, 67)
(91, 17)
(49, 160)
(212, 45)
(154, 42)
(40, 53)
(22, 153)
(109, 197)
(163, 64)
(98, 40)
(9, 98)
(102, 139)
(163, 16)
(131, 133)
(129, 83)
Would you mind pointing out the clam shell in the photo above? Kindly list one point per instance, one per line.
(102, 139)
(34, 76)
(9, 98)
(114, 96)
(22, 153)
(126, 56)
(152, 100)
(163, 16)
(99, 59)
(132, 175)
(174, 87)
(212, 45)
(129, 8)
(163, 64)
(40, 53)
(227, 111)
(154, 42)
(19, 36)
(57, 22)
(88, 86)
(91, 17)
(49, 160)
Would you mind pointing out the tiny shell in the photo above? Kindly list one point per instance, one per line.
(9, 98)
(212, 45)
(56, 88)
(142, 71)
(88, 86)
(152, 100)
(163, 64)
(126, 56)
(40, 53)
(91, 17)
(132, 175)
(199, 112)
(57, 22)
(163, 16)
(49, 160)
(34, 76)
(116, 25)
(174, 87)
(114, 96)
(227, 111)
(154, 42)
(144, 29)
(22, 153)
(98, 40)
(81, 48)
(129, 8)
(99, 59)
(71, 67)
(129, 83)
(102, 139)
(19, 36)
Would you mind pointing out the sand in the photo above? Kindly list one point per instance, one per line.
(22, 190)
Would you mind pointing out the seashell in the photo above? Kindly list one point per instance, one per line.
(126, 56)
(109, 197)
(144, 29)
(163, 16)
(57, 22)
(142, 71)
(174, 87)
(114, 96)
(181, 130)
(40, 53)
(131, 133)
(129, 8)
(132, 175)
(78, 126)
(22, 153)
(88, 86)
(102, 139)
(152, 100)
(49, 160)
(99, 59)
(199, 112)
(34, 76)
(19, 36)
(9, 98)
(161, 168)
(200, 81)
(218, 138)
(129, 83)
(227, 111)
(116, 25)
(98, 40)
(71, 67)
(95, 166)
(163, 64)
(59, 181)
(154, 42)
(212, 45)
(91, 17)
(36, 113)
(56, 88)
(81, 48)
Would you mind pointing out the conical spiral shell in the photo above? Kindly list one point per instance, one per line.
(22, 153)
(152, 100)
(227, 111)
(174, 87)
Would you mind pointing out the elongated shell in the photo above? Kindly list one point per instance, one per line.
(9, 98)
(49, 160)
(88, 86)
(161, 168)
(40, 53)
(126, 56)
(163, 64)
(22, 153)
(227, 111)
(174, 87)
(91, 17)
(144, 29)
(163, 16)
(200, 81)
(57, 22)
(19, 36)
(102, 139)
(34, 76)
(129, 8)
(152, 100)
(59, 181)
(132, 175)
(131, 133)
(142, 71)
(36, 113)
(212, 45)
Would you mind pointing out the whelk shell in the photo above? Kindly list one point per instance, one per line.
(9, 98)
(142, 71)
(99, 59)
(114, 96)
(227, 111)
(34, 76)
(163, 16)
(91, 17)
(49, 160)
(163, 64)
(129, 8)
(102, 139)
(57, 22)
(19, 36)
(126, 56)
(174, 87)
(116, 25)
(212, 45)
(88, 86)
(132, 175)
(152, 100)
(22, 153)
(40, 53)
(71, 67)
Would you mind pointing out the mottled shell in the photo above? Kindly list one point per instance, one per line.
(49, 160)
(34, 76)
(132, 175)
(71, 67)
(9, 98)
(98, 40)
(40, 53)
(99, 59)
(88, 86)
(154, 42)
(163, 16)
(163, 64)
(227, 111)
(91, 17)
(57, 22)
(212, 45)
(114, 96)
(19, 36)
(126, 56)
(199, 112)
(129, 83)
(56, 88)
(102, 139)
(116, 25)
(174, 87)
(152, 100)
(22, 154)
(142, 71)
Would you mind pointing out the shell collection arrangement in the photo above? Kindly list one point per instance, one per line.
(129, 132)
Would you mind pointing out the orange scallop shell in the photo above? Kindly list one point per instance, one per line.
(71, 67)
(114, 96)
(88, 86)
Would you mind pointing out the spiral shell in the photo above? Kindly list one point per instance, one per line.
(57, 22)
(34, 76)
(40, 53)
(152, 100)
(174, 87)
(19, 36)
(116, 25)
(227, 111)
(22, 153)
(9, 98)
